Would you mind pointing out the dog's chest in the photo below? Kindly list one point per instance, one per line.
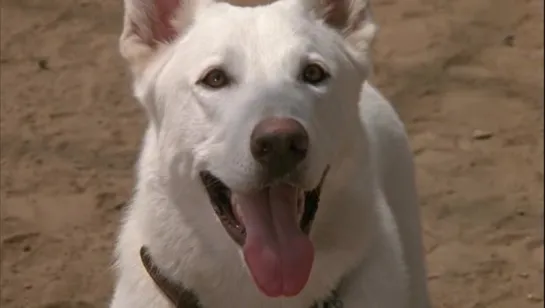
(245, 294)
(236, 289)
(240, 298)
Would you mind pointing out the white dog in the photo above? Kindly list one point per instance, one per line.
(272, 174)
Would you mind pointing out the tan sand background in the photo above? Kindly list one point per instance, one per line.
(466, 76)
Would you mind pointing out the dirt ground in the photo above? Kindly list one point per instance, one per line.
(466, 76)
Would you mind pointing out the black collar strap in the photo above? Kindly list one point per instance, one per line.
(181, 297)
(177, 294)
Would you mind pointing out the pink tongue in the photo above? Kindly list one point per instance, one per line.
(278, 254)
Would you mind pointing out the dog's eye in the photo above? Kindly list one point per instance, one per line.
(314, 74)
(215, 79)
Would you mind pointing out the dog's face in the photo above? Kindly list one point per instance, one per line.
(259, 103)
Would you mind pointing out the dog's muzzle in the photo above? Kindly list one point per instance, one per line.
(272, 220)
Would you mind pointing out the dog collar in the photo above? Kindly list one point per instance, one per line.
(181, 297)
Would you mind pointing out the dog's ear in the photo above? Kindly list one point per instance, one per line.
(353, 18)
(147, 25)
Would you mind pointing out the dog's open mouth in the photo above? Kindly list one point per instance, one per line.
(222, 201)
(272, 226)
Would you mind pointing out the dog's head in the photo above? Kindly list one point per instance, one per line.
(258, 102)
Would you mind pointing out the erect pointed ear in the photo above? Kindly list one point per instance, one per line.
(147, 25)
(353, 18)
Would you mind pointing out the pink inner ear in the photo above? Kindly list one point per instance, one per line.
(164, 12)
(336, 13)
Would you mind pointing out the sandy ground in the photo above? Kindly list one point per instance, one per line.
(466, 76)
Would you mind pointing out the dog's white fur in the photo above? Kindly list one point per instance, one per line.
(367, 231)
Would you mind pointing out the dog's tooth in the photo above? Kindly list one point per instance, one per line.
(237, 212)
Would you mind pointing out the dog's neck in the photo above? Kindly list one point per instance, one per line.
(182, 297)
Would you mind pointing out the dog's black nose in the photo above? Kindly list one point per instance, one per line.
(279, 144)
